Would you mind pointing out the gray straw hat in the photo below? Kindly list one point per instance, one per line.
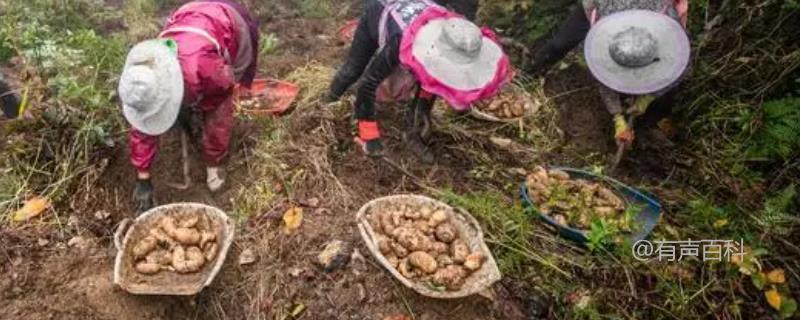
(637, 51)
(151, 86)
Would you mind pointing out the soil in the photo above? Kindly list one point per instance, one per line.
(58, 281)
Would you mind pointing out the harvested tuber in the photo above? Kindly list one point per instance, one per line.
(474, 261)
(405, 269)
(188, 260)
(412, 239)
(437, 218)
(423, 261)
(385, 245)
(144, 267)
(185, 236)
(452, 277)
(459, 250)
(210, 251)
(189, 222)
(444, 260)
(206, 237)
(439, 247)
(399, 250)
(446, 232)
(144, 246)
(160, 257)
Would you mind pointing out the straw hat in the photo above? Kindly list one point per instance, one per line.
(453, 58)
(637, 51)
(151, 86)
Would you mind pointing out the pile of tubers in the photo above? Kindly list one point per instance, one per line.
(507, 105)
(423, 244)
(575, 202)
(178, 245)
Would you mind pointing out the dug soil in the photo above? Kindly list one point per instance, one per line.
(65, 271)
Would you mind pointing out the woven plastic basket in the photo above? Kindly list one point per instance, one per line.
(477, 282)
(130, 232)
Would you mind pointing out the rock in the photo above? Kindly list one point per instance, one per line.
(73, 221)
(78, 242)
(500, 142)
(335, 255)
(311, 202)
(102, 215)
(43, 242)
(247, 257)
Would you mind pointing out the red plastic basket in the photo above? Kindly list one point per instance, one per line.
(272, 97)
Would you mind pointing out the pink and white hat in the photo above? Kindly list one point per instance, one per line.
(453, 58)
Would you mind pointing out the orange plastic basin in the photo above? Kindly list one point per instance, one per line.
(348, 31)
(266, 97)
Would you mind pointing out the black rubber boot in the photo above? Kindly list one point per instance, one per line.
(418, 131)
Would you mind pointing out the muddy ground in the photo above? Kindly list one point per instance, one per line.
(50, 279)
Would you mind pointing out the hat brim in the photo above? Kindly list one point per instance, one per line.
(673, 52)
(170, 95)
(460, 83)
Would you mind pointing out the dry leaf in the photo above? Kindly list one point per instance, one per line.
(293, 218)
(773, 298)
(397, 317)
(32, 208)
(776, 276)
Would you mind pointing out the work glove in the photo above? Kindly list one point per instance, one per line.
(640, 105)
(213, 179)
(143, 195)
(369, 138)
(415, 144)
(623, 132)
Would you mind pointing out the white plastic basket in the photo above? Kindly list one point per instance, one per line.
(168, 283)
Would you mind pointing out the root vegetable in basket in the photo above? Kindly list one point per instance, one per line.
(423, 245)
(180, 245)
(188, 260)
(474, 261)
(145, 267)
(452, 277)
(506, 105)
(576, 202)
(459, 251)
(144, 246)
(185, 236)
(446, 232)
(423, 261)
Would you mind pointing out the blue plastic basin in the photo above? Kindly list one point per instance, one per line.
(646, 220)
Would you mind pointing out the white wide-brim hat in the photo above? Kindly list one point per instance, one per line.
(151, 86)
(672, 52)
(453, 58)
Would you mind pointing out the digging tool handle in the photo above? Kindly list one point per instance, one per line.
(119, 234)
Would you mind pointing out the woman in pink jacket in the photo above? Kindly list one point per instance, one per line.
(205, 48)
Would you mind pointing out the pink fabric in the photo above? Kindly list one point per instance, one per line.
(458, 99)
(208, 81)
(217, 125)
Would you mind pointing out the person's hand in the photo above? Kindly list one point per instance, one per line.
(143, 195)
(623, 132)
(372, 148)
(640, 105)
(369, 138)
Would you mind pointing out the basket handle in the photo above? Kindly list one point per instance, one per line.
(119, 234)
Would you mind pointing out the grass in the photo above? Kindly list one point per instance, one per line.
(71, 89)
